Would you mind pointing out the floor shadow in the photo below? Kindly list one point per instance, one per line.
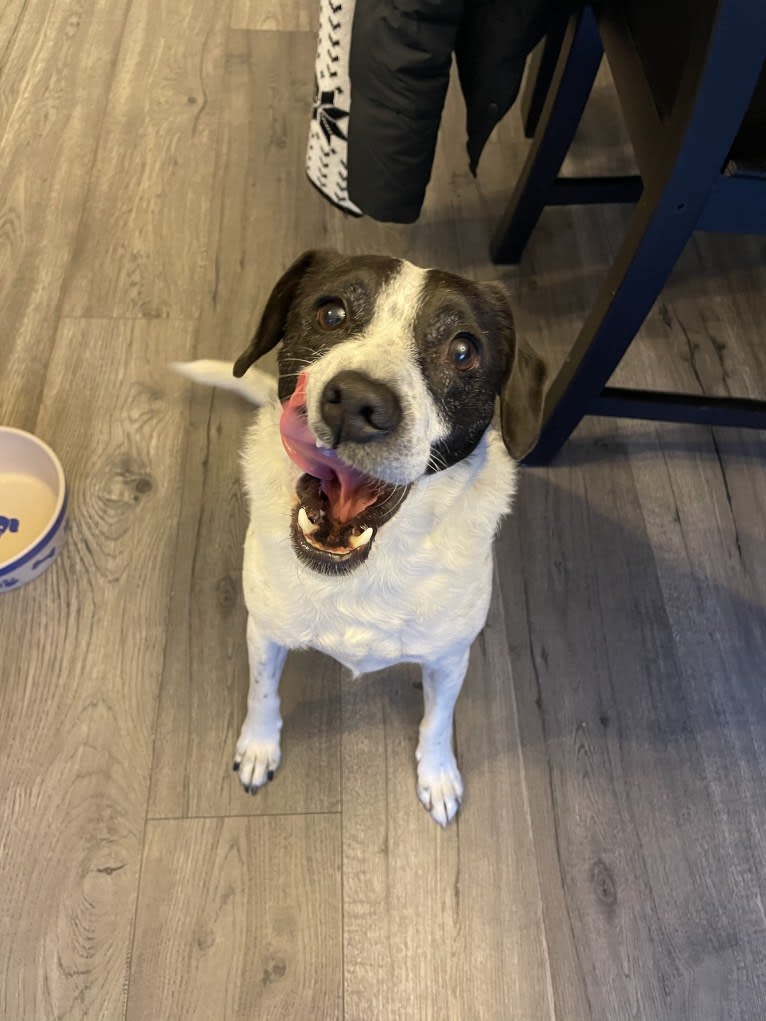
(606, 623)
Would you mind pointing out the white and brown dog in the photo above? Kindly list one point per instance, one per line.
(376, 481)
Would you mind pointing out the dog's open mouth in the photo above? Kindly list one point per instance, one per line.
(339, 509)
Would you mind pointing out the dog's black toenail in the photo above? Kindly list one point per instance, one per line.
(235, 766)
(270, 775)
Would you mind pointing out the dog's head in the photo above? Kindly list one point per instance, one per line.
(387, 373)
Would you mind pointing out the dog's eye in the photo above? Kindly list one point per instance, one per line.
(331, 314)
(464, 351)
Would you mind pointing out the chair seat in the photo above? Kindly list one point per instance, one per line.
(661, 32)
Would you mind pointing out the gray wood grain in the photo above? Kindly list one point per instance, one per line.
(440, 924)
(56, 68)
(399, 870)
(639, 728)
(572, 672)
(82, 651)
(263, 210)
(275, 15)
(262, 939)
(154, 168)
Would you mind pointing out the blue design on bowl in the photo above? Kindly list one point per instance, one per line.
(21, 453)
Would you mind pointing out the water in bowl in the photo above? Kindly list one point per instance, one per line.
(26, 507)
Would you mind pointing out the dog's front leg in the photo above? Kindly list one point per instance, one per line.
(440, 787)
(257, 755)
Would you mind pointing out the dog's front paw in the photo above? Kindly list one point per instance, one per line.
(440, 786)
(256, 761)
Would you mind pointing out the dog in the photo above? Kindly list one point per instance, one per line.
(376, 478)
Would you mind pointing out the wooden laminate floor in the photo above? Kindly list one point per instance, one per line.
(610, 859)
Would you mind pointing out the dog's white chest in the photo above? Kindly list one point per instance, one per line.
(424, 588)
(364, 630)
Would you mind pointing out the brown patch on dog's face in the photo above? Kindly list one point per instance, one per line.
(464, 340)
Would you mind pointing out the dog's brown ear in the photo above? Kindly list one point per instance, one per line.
(523, 390)
(272, 324)
(521, 401)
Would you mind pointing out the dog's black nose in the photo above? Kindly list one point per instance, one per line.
(359, 409)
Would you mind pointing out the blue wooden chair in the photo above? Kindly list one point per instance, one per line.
(692, 87)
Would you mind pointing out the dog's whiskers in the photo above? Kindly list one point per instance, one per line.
(313, 354)
(436, 462)
(295, 361)
(294, 372)
(397, 493)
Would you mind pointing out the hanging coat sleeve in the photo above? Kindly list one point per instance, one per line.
(400, 66)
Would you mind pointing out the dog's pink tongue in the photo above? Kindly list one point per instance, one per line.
(348, 491)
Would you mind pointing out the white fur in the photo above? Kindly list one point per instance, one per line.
(423, 593)
(386, 351)
(256, 386)
(426, 585)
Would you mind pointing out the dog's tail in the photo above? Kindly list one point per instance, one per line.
(255, 386)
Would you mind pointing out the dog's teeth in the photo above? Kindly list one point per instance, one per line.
(305, 524)
(355, 541)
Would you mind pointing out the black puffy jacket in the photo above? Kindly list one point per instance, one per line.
(401, 51)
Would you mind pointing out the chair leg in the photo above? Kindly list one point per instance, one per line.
(568, 93)
(540, 68)
(702, 129)
(646, 257)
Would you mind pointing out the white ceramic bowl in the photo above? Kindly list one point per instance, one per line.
(32, 507)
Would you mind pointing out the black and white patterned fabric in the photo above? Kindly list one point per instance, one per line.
(326, 156)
